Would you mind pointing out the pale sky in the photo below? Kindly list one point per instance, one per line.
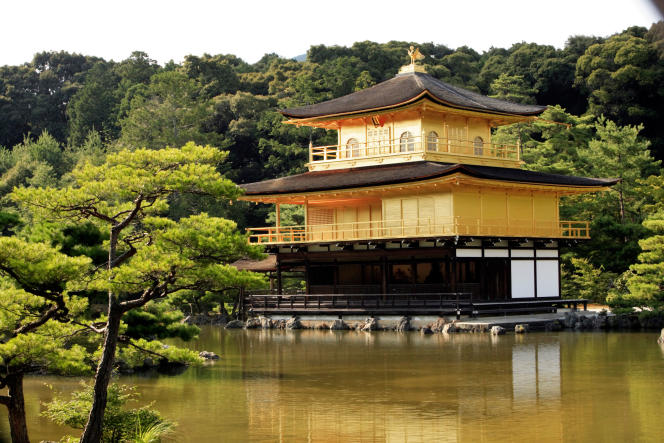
(167, 29)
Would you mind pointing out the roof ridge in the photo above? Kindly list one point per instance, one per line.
(459, 91)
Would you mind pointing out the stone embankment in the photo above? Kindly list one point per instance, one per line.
(572, 320)
(206, 319)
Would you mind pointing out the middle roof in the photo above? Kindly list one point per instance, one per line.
(407, 173)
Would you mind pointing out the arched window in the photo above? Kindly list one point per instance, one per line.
(352, 148)
(432, 141)
(478, 145)
(406, 142)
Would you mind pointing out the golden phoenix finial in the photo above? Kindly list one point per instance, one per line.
(415, 54)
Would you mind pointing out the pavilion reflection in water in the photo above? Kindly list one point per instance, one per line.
(463, 402)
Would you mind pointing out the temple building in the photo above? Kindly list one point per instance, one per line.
(416, 210)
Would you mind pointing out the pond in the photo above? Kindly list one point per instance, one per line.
(385, 386)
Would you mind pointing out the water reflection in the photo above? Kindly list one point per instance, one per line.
(349, 386)
(438, 387)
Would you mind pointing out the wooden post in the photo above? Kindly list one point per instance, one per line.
(278, 222)
(383, 282)
(280, 289)
(307, 274)
(278, 217)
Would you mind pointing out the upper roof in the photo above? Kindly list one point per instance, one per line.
(407, 88)
(408, 172)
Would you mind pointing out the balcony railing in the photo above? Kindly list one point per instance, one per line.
(415, 144)
(414, 228)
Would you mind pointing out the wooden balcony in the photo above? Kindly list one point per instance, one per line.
(415, 148)
(418, 228)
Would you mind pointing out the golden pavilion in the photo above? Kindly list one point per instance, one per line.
(416, 210)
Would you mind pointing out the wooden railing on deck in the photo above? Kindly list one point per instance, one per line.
(413, 228)
(435, 302)
(399, 146)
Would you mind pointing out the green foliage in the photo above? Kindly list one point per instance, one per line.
(619, 152)
(646, 284)
(158, 320)
(167, 112)
(582, 280)
(94, 107)
(562, 143)
(8, 222)
(291, 215)
(135, 355)
(152, 433)
(120, 424)
(112, 187)
(216, 74)
(34, 96)
(512, 88)
(150, 256)
(623, 76)
(35, 162)
(35, 308)
(652, 186)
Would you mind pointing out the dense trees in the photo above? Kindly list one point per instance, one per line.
(35, 312)
(89, 106)
(149, 256)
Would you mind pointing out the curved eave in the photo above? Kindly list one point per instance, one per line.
(396, 106)
(455, 178)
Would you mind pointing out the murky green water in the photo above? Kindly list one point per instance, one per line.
(347, 386)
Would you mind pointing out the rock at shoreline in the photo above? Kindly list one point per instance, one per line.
(339, 325)
(253, 323)
(293, 323)
(449, 328)
(266, 323)
(403, 325)
(570, 319)
(497, 330)
(553, 326)
(371, 324)
(205, 319)
(426, 330)
(279, 324)
(521, 329)
(234, 324)
(439, 325)
(208, 355)
(660, 340)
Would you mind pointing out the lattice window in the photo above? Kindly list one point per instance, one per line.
(352, 148)
(407, 142)
(478, 146)
(320, 216)
(432, 141)
(378, 140)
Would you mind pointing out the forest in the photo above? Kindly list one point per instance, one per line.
(120, 178)
(61, 108)
(608, 92)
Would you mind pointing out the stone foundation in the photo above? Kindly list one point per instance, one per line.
(571, 320)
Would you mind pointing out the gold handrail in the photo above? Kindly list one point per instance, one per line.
(414, 144)
(421, 227)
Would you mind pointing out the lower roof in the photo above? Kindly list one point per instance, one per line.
(268, 264)
(406, 173)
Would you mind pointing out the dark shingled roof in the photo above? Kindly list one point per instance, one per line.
(405, 173)
(405, 88)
